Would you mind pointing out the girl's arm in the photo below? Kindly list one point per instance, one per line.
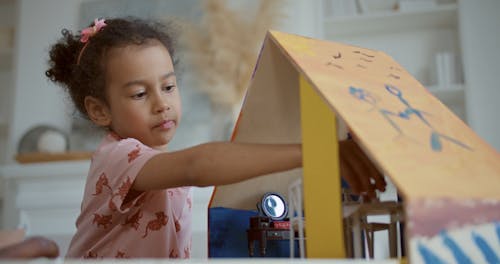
(217, 163)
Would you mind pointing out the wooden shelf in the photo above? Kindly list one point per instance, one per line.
(51, 157)
(452, 95)
(386, 22)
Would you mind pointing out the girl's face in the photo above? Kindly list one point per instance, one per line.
(143, 97)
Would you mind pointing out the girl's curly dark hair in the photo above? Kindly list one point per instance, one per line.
(87, 77)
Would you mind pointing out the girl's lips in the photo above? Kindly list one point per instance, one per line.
(167, 124)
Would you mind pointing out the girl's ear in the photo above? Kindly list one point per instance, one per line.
(97, 111)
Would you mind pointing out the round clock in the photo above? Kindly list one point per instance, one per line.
(273, 205)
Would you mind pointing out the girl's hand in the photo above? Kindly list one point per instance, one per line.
(33, 247)
(359, 172)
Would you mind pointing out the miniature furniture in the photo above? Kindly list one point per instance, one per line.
(356, 223)
(261, 230)
(296, 217)
(269, 225)
(446, 174)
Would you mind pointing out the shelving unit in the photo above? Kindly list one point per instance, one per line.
(411, 37)
(391, 21)
(452, 94)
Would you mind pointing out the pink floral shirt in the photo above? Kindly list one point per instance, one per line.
(152, 224)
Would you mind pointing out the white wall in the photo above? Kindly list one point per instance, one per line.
(35, 100)
(301, 17)
(480, 35)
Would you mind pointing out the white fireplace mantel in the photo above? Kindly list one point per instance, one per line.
(43, 198)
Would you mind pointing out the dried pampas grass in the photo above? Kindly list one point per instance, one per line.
(223, 48)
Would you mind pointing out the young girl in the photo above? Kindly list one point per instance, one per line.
(120, 74)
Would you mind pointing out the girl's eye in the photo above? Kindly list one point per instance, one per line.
(169, 88)
(139, 95)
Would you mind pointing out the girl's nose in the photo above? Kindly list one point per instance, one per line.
(161, 104)
(162, 107)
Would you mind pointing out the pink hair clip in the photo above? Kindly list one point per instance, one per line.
(91, 31)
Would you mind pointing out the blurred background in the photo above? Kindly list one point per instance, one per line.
(450, 46)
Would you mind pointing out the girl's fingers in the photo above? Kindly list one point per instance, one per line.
(359, 170)
(351, 178)
(356, 171)
(380, 183)
(377, 177)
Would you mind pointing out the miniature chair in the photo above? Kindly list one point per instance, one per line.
(357, 225)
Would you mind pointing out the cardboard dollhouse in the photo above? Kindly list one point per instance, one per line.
(449, 178)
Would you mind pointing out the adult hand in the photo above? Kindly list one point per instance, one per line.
(33, 247)
(358, 170)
